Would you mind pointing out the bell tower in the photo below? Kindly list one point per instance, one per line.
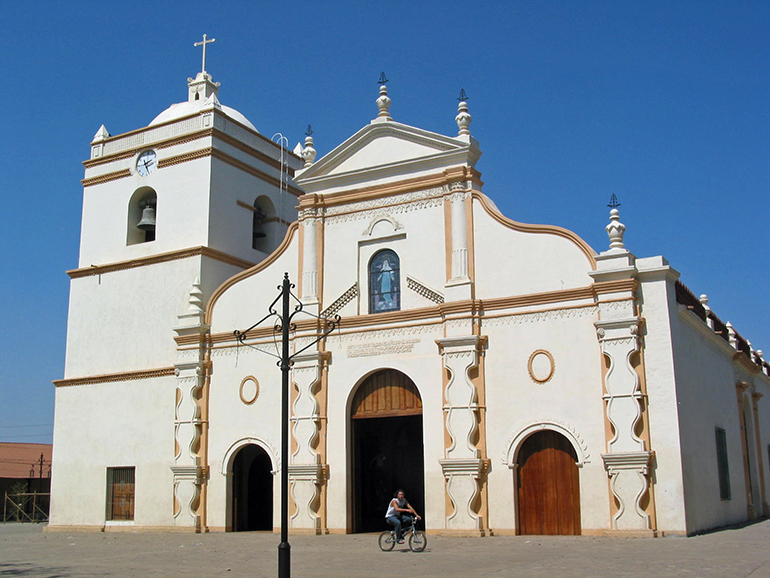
(198, 193)
(170, 211)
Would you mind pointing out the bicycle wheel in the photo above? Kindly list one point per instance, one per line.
(417, 541)
(387, 541)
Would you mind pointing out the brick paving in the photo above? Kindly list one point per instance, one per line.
(25, 550)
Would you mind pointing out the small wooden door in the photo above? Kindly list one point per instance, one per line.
(548, 486)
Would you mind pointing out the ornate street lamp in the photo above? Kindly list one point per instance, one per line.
(283, 324)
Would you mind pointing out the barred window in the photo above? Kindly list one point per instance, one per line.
(120, 493)
(384, 282)
(722, 464)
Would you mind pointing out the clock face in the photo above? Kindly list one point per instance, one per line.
(146, 163)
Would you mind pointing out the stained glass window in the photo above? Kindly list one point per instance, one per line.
(384, 282)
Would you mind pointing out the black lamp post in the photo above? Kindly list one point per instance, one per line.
(284, 324)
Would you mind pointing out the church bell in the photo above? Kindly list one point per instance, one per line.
(258, 230)
(147, 222)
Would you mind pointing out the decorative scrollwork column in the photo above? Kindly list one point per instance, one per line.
(190, 369)
(306, 471)
(627, 461)
(464, 466)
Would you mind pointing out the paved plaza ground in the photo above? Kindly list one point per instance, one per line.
(25, 550)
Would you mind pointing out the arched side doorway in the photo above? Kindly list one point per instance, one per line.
(252, 490)
(387, 447)
(547, 485)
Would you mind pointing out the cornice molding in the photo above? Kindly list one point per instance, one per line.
(447, 176)
(194, 155)
(187, 138)
(112, 377)
(163, 144)
(440, 312)
(160, 258)
(157, 144)
(106, 178)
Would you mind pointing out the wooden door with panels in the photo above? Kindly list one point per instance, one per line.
(548, 488)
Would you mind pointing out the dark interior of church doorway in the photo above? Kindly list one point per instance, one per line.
(252, 490)
(387, 448)
(548, 486)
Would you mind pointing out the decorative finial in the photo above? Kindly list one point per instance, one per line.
(101, 134)
(204, 43)
(383, 102)
(308, 153)
(463, 118)
(615, 229)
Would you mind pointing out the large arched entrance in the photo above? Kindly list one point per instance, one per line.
(548, 486)
(386, 426)
(252, 497)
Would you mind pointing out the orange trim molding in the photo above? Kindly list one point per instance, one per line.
(111, 377)
(160, 258)
(252, 271)
(543, 229)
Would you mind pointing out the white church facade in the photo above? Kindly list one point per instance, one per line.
(509, 378)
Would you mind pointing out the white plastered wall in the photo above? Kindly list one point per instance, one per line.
(538, 262)
(181, 215)
(231, 421)
(656, 304)
(118, 424)
(707, 399)
(572, 399)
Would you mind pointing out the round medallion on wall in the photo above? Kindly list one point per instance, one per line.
(249, 390)
(541, 366)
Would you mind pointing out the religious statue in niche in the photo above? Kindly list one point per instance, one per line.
(384, 282)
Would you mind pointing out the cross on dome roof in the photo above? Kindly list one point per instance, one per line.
(203, 43)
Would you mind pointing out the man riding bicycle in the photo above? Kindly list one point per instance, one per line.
(397, 514)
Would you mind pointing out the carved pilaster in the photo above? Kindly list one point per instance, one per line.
(463, 466)
(189, 463)
(629, 481)
(458, 287)
(628, 460)
(306, 472)
(305, 483)
(309, 260)
(188, 428)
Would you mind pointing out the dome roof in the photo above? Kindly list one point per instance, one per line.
(182, 109)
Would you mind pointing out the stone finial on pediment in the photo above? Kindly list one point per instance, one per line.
(308, 153)
(383, 101)
(615, 230)
(463, 118)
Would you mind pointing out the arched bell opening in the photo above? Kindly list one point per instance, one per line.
(142, 216)
(547, 486)
(264, 225)
(386, 447)
(251, 491)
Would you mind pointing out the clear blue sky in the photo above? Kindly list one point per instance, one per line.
(664, 104)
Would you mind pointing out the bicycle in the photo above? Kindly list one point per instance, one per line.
(417, 540)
